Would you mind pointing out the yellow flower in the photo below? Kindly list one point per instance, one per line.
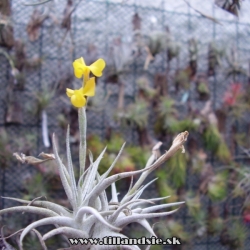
(81, 69)
(78, 97)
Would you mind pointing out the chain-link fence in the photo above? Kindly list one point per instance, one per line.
(44, 50)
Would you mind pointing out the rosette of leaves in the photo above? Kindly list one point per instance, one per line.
(157, 41)
(145, 91)
(234, 66)
(198, 223)
(214, 58)
(235, 101)
(91, 214)
(216, 187)
(193, 203)
(173, 50)
(43, 99)
(186, 124)
(213, 185)
(177, 170)
(198, 160)
(182, 79)
(136, 114)
(242, 188)
(202, 88)
(214, 222)
(166, 115)
(234, 234)
(214, 142)
(120, 58)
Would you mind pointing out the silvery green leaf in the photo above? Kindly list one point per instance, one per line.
(60, 210)
(122, 222)
(147, 226)
(90, 210)
(103, 197)
(63, 221)
(63, 177)
(137, 194)
(108, 181)
(28, 209)
(113, 164)
(158, 207)
(114, 193)
(122, 207)
(68, 231)
(92, 176)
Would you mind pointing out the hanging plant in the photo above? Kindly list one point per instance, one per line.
(234, 101)
(193, 56)
(202, 88)
(214, 222)
(137, 113)
(198, 160)
(177, 170)
(166, 115)
(214, 58)
(216, 188)
(145, 91)
(193, 203)
(212, 138)
(234, 234)
(182, 79)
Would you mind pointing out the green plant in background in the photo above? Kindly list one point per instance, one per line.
(214, 142)
(136, 114)
(217, 187)
(234, 234)
(90, 213)
(193, 203)
(167, 115)
(145, 91)
(177, 170)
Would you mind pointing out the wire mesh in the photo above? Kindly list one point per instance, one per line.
(99, 23)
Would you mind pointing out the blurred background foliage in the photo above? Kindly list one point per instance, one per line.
(170, 68)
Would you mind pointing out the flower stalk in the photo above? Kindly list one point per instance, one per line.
(83, 145)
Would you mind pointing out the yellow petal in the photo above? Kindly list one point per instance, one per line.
(89, 88)
(97, 67)
(79, 67)
(81, 61)
(69, 92)
(78, 101)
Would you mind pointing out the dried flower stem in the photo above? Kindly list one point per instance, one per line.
(177, 144)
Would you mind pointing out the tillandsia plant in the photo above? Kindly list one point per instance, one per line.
(91, 214)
